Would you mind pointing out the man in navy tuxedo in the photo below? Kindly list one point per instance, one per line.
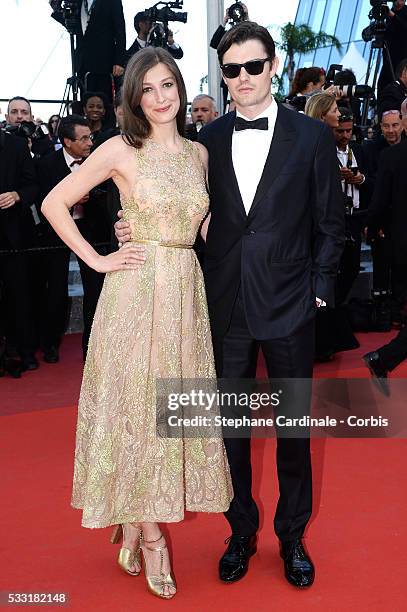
(273, 245)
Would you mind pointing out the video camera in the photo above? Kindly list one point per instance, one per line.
(27, 129)
(236, 13)
(377, 15)
(160, 17)
(166, 14)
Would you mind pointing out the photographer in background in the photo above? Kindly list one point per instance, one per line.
(101, 42)
(396, 39)
(393, 95)
(143, 25)
(344, 78)
(203, 111)
(18, 191)
(19, 114)
(387, 225)
(236, 13)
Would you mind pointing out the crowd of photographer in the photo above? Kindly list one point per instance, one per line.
(34, 269)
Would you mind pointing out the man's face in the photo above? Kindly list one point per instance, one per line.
(18, 111)
(145, 27)
(203, 110)
(392, 128)
(81, 145)
(399, 4)
(250, 91)
(343, 134)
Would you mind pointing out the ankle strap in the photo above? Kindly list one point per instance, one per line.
(157, 548)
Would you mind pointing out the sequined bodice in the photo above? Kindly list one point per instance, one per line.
(169, 197)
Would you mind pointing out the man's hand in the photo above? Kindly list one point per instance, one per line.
(346, 174)
(170, 39)
(8, 199)
(356, 179)
(122, 230)
(117, 70)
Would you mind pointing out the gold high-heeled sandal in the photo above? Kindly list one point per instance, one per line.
(156, 584)
(127, 558)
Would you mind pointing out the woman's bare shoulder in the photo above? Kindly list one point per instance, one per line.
(202, 152)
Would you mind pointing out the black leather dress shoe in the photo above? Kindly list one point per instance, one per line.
(29, 362)
(51, 354)
(235, 562)
(378, 370)
(298, 567)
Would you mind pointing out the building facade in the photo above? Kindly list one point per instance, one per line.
(344, 19)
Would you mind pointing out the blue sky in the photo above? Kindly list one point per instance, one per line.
(35, 50)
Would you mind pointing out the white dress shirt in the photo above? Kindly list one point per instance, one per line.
(84, 15)
(77, 212)
(250, 149)
(351, 190)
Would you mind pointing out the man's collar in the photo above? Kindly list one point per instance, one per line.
(68, 158)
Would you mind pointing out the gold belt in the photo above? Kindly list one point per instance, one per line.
(174, 245)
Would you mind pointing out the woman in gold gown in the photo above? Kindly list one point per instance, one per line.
(151, 323)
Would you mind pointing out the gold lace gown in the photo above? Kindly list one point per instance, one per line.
(150, 323)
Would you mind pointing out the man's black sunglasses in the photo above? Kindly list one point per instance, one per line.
(231, 71)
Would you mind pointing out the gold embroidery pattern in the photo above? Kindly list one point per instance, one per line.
(150, 322)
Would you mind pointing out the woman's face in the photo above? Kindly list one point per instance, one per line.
(160, 100)
(331, 118)
(95, 109)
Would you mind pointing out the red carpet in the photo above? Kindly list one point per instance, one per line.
(357, 536)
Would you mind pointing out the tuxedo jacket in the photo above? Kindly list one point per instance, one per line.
(94, 226)
(104, 43)
(388, 210)
(286, 251)
(17, 173)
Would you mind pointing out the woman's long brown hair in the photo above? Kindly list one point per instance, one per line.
(136, 127)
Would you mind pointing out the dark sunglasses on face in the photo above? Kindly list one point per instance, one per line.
(253, 67)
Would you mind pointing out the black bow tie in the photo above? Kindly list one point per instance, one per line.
(257, 124)
(76, 161)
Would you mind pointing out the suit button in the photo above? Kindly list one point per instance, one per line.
(250, 232)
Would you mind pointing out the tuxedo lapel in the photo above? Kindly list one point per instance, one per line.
(281, 145)
(228, 170)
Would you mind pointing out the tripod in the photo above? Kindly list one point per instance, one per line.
(378, 43)
(72, 83)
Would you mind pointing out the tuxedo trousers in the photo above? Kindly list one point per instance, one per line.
(236, 356)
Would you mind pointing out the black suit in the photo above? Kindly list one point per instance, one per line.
(102, 46)
(262, 273)
(17, 173)
(93, 226)
(388, 212)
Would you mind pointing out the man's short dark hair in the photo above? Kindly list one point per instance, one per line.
(67, 126)
(346, 114)
(142, 16)
(247, 30)
(18, 98)
(401, 67)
